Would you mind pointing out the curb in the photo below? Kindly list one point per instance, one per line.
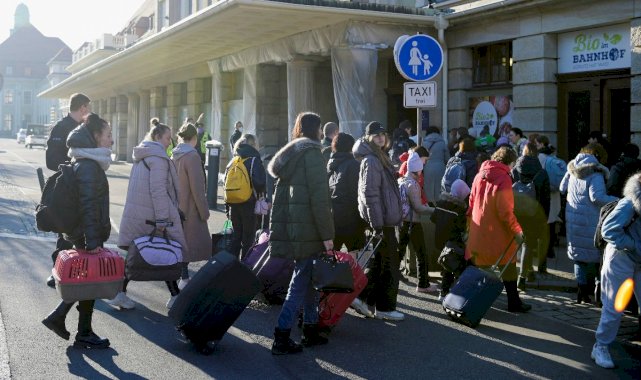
(5, 369)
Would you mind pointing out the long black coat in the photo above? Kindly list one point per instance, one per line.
(301, 217)
(93, 196)
(343, 171)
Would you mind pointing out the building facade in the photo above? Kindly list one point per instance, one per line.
(29, 64)
(532, 64)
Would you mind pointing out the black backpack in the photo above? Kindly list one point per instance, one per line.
(58, 209)
(599, 242)
(525, 203)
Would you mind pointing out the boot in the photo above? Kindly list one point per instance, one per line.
(86, 338)
(56, 320)
(521, 283)
(514, 303)
(311, 336)
(283, 344)
(585, 293)
(579, 295)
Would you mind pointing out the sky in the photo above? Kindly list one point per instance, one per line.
(73, 21)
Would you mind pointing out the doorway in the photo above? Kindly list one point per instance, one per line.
(593, 102)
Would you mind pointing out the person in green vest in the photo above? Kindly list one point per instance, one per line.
(203, 137)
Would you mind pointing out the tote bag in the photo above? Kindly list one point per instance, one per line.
(154, 258)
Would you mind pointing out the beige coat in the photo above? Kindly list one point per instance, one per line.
(193, 202)
(152, 195)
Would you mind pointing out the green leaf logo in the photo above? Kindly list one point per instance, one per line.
(615, 39)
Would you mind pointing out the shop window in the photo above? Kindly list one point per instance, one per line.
(8, 96)
(492, 64)
(26, 96)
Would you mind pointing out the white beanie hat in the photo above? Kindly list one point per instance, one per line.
(414, 163)
(460, 189)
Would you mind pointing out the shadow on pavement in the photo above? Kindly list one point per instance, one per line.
(79, 366)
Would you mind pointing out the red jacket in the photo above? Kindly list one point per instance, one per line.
(492, 224)
(403, 170)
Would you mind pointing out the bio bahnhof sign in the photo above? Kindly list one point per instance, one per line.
(594, 49)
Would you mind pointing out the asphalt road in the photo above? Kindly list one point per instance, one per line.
(144, 344)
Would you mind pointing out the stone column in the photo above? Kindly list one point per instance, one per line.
(122, 114)
(300, 90)
(95, 107)
(104, 109)
(195, 88)
(459, 83)
(156, 102)
(143, 114)
(535, 90)
(269, 101)
(132, 127)
(174, 91)
(635, 82)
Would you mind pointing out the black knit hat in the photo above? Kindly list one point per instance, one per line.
(374, 128)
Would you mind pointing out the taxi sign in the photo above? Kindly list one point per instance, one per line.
(419, 94)
(418, 58)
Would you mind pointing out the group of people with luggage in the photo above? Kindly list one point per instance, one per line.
(481, 206)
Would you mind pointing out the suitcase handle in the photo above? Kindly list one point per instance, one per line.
(369, 242)
(495, 267)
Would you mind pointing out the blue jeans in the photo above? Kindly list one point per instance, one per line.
(300, 292)
(586, 273)
(617, 267)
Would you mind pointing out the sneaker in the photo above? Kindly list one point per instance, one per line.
(171, 301)
(430, 289)
(390, 315)
(121, 301)
(182, 283)
(362, 308)
(601, 355)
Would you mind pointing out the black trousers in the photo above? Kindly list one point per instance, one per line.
(244, 221)
(413, 233)
(383, 274)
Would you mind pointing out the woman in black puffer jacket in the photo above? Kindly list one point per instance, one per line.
(90, 151)
(343, 170)
(528, 170)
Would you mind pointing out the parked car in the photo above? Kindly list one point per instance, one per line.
(36, 136)
(21, 135)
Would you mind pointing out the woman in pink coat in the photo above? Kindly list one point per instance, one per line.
(493, 226)
(192, 199)
(152, 195)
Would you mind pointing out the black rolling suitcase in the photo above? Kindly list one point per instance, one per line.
(475, 291)
(213, 299)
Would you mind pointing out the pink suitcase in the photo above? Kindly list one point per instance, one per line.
(83, 276)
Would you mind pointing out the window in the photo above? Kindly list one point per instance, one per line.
(27, 71)
(185, 8)
(492, 64)
(9, 70)
(8, 122)
(8, 96)
(26, 96)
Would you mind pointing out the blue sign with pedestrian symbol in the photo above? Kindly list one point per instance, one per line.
(418, 58)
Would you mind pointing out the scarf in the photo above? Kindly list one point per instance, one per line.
(101, 155)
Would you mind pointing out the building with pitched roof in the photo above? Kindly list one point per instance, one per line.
(26, 59)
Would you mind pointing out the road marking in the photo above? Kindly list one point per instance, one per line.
(114, 226)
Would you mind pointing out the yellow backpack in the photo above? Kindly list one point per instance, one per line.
(238, 187)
